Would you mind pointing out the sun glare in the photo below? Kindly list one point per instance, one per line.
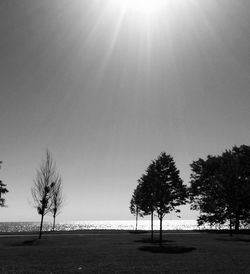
(142, 7)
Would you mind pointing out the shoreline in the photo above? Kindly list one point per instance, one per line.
(97, 231)
(121, 231)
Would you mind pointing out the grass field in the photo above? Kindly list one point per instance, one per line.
(124, 252)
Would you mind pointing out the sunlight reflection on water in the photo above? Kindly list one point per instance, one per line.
(107, 225)
(128, 225)
(99, 225)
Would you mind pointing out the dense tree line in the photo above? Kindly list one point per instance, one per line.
(219, 189)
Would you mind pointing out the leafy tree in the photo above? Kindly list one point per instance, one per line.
(220, 187)
(3, 191)
(146, 194)
(241, 182)
(42, 190)
(207, 192)
(161, 189)
(134, 206)
(168, 189)
(56, 200)
(134, 210)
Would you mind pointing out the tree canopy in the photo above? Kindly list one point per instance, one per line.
(160, 189)
(220, 187)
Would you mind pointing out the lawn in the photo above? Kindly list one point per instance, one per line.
(124, 252)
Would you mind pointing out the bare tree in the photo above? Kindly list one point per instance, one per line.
(3, 190)
(56, 200)
(42, 190)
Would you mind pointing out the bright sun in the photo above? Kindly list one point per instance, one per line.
(144, 7)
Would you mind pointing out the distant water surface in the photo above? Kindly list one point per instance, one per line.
(103, 225)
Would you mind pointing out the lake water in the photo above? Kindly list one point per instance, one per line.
(87, 225)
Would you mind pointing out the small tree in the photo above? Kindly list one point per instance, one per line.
(42, 191)
(56, 200)
(161, 190)
(147, 197)
(3, 191)
(135, 205)
(168, 189)
(134, 209)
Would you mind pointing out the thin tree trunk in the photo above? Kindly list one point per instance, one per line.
(54, 223)
(237, 222)
(230, 226)
(161, 231)
(41, 227)
(152, 226)
(136, 221)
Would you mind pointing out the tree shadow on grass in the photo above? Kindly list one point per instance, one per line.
(138, 231)
(167, 249)
(224, 231)
(154, 241)
(233, 240)
(32, 242)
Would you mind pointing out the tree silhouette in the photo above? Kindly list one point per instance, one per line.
(220, 187)
(169, 191)
(3, 191)
(134, 209)
(241, 182)
(146, 196)
(56, 200)
(161, 189)
(207, 191)
(135, 205)
(42, 190)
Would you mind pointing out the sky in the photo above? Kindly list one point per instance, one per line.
(107, 85)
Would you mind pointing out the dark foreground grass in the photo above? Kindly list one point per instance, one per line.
(123, 252)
